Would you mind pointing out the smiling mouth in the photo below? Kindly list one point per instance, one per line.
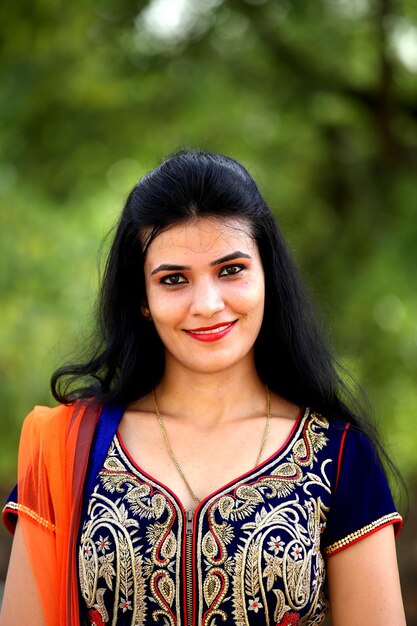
(212, 330)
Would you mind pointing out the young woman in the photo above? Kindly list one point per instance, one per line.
(202, 467)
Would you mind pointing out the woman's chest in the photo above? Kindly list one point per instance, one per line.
(201, 462)
(250, 554)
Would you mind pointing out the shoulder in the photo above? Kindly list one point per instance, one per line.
(52, 422)
(331, 433)
(337, 431)
(354, 443)
(55, 439)
(340, 440)
(45, 415)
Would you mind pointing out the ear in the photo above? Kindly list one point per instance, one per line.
(144, 309)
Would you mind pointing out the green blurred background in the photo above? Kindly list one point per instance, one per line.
(318, 98)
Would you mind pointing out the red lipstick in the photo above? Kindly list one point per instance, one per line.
(211, 333)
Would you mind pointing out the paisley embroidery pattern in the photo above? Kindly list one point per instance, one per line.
(257, 557)
(124, 574)
(277, 567)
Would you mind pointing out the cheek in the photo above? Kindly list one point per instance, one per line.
(250, 297)
(165, 308)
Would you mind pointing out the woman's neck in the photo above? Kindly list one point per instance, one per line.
(208, 399)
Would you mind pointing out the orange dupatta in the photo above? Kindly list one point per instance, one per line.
(53, 458)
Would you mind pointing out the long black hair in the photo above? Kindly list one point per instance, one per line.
(292, 355)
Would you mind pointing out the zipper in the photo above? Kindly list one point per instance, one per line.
(189, 516)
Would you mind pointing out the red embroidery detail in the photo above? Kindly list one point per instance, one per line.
(341, 449)
(95, 618)
(289, 619)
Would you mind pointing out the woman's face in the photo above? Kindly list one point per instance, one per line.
(205, 290)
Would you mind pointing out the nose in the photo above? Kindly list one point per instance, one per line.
(206, 299)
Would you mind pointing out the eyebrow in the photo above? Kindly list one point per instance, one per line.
(167, 267)
(231, 257)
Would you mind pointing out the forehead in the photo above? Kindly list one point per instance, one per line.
(202, 237)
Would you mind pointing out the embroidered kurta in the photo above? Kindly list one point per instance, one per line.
(254, 552)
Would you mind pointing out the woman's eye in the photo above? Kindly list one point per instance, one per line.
(230, 270)
(173, 279)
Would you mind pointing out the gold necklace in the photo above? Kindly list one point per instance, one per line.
(174, 458)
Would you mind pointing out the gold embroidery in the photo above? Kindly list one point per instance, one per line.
(297, 562)
(341, 543)
(112, 554)
(311, 442)
(257, 543)
(21, 508)
(292, 563)
(216, 586)
(163, 591)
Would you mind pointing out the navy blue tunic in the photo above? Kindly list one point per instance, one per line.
(254, 552)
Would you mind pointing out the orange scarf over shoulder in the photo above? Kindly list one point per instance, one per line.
(53, 458)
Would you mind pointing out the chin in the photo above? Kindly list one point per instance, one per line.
(213, 364)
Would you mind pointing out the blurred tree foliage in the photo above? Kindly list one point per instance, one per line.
(318, 98)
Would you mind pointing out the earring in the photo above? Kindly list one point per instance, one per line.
(146, 312)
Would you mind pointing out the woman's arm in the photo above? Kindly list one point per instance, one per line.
(364, 585)
(21, 605)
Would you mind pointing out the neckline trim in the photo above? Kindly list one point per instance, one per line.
(303, 413)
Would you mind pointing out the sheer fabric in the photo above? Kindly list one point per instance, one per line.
(53, 457)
